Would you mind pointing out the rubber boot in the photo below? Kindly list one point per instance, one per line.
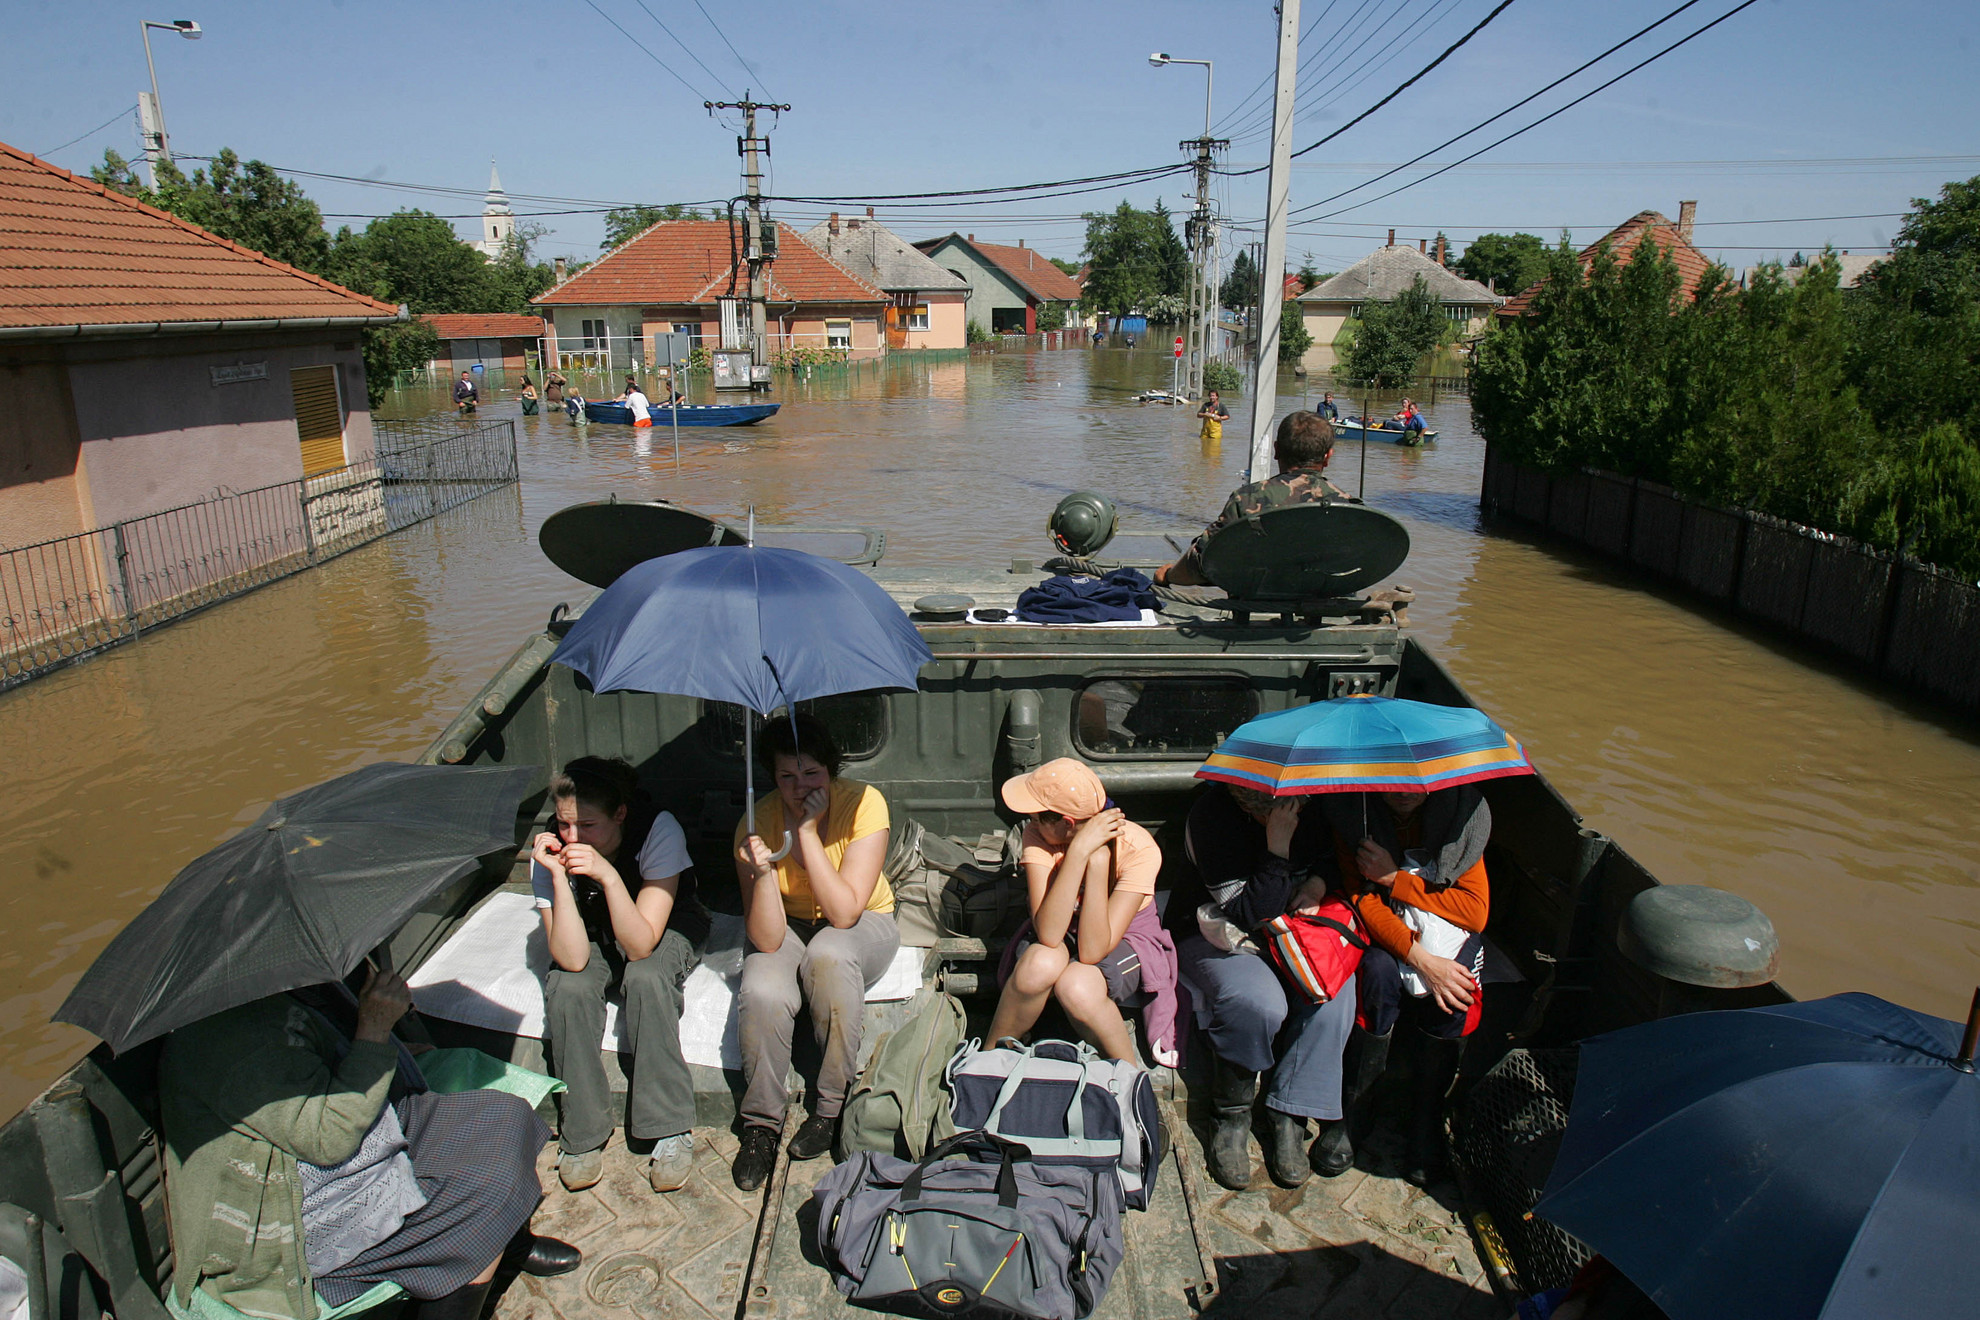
(1435, 1072)
(1285, 1148)
(1366, 1060)
(464, 1303)
(1232, 1091)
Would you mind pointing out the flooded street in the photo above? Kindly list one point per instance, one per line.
(1714, 754)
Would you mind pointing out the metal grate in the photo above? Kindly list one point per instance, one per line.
(1505, 1139)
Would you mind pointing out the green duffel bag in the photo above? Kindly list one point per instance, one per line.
(900, 1105)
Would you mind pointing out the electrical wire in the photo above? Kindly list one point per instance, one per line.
(1743, 5)
(732, 48)
(1640, 32)
(684, 46)
(698, 94)
(127, 110)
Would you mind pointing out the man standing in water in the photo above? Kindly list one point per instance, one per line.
(637, 404)
(1304, 445)
(1214, 415)
(465, 394)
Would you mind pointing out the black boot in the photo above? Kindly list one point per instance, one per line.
(1366, 1059)
(1231, 1092)
(464, 1303)
(1436, 1069)
(1285, 1148)
(1333, 1152)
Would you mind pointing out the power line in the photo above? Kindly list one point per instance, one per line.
(684, 46)
(127, 110)
(1314, 206)
(1744, 4)
(731, 45)
(698, 95)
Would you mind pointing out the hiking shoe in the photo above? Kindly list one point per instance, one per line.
(579, 1171)
(814, 1138)
(755, 1159)
(673, 1160)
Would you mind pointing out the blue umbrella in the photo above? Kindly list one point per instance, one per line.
(1782, 1163)
(757, 626)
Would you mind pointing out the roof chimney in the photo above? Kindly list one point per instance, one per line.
(1687, 212)
(833, 226)
(1423, 246)
(970, 237)
(869, 213)
(1020, 242)
(559, 265)
(1392, 238)
(1440, 249)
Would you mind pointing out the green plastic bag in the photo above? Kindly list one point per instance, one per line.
(448, 1071)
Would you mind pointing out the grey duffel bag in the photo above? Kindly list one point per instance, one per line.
(958, 1236)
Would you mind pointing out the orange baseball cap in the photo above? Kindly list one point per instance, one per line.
(1066, 786)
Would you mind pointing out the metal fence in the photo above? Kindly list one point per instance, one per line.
(64, 600)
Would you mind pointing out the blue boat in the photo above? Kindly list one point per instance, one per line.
(1348, 428)
(692, 414)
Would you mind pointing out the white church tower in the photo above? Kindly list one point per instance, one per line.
(497, 219)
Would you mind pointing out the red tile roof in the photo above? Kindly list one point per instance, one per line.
(1622, 240)
(688, 261)
(1030, 268)
(73, 252)
(475, 326)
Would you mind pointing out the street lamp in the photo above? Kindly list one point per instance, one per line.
(150, 113)
(1158, 60)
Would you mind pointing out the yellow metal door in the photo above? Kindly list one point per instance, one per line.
(319, 418)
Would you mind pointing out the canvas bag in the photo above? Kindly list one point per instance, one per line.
(954, 1235)
(1069, 1104)
(944, 887)
(1318, 954)
(900, 1105)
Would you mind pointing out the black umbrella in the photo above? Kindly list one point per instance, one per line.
(299, 897)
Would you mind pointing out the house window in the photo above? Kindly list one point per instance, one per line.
(839, 334)
(1459, 312)
(595, 334)
(917, 317)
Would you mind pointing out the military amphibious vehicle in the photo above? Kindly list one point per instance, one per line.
(1308, 610)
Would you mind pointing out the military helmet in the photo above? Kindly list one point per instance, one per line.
(1083, 523)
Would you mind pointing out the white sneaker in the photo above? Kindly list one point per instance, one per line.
(673, 1160)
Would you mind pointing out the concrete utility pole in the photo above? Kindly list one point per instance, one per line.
(759, 241)
(1200, 231)
(151, 112)
(1265, 371)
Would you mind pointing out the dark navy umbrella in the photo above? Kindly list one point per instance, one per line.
(1782, 1163)
(754, 625)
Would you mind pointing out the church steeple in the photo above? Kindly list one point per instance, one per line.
(497, 218)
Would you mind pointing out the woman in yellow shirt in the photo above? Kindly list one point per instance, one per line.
(821, 929)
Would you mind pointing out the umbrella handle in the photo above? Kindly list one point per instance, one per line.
(784, 851)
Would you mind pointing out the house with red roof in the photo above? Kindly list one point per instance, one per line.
(149, 363)
(1674, 239)
(496, 342)
(673, 277)
(1008, 286)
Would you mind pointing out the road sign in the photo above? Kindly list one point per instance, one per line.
(1178, 345)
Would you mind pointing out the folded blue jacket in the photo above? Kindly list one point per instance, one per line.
(1120, 597)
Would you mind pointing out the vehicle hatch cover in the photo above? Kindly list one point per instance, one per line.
(1305, 551)
(598, 541)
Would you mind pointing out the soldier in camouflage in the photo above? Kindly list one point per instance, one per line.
(1305, 443)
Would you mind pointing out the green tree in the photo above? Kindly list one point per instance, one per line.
(1294, 337)
(1241, 285)
(243, 202)
(1135, 257)
(1051, 316)
(1069, 267)
(1391, 338)
(1511, 263)
(1308, 275)
(625, 222)
(391, 349)
(414, 257)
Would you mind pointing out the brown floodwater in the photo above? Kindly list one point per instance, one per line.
(1714, 753)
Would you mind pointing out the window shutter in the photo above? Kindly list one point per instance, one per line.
(319, 418)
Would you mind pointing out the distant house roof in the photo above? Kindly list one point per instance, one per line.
(475, 326)
(1384, 273)
(1032, 270)
(880, 256)
(74, 253)
(1854, 266)
(1292, 286)
(1622, 240)
(688, 261)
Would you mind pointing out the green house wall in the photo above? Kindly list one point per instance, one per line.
(990, 289)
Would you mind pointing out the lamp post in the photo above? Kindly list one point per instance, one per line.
(1202, 232)
(151, 115)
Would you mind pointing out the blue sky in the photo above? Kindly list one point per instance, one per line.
(1787, 110)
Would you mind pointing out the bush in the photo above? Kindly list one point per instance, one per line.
(391, 349)
(1294, 337)
(974, 333)
(1391, 338)
(1223, 378)
(1051, 316)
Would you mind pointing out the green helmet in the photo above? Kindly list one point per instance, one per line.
(1083, 523)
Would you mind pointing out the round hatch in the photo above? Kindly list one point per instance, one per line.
(944, 606)
(597, 542)
(1305, 551)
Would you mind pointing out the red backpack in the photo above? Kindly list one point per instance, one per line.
(1317, 954)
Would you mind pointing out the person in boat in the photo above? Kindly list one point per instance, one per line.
(637, 404)
(1214, 415)
(553, 388)
(1258, 857)
(615, 888)
(1305, 443)
(1416, 873)
(528, 397)
(466, 394)
(1411, 421)
(820, 928)
(1094, 942)
(1326, 408)
(307, 1160)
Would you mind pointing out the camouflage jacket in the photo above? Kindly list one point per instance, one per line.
(1294, 486)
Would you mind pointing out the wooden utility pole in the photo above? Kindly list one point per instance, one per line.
(759, 239)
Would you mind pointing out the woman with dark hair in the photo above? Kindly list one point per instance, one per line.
(616, 889)
(821, 928)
